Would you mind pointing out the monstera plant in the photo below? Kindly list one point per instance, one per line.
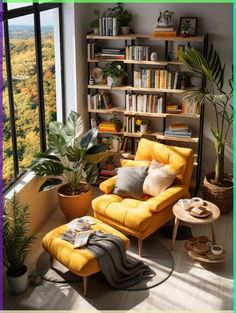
(71, 161)
(217, 94)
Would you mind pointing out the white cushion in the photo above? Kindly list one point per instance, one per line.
(158, 180)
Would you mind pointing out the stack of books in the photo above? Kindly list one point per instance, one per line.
(152, 103)
(91, 50)
(137, 53)
(107, 127)
(107, 173)
(155, 78)
(99, 101)
(172, 108)
(108, 26)
(112, 53)
(168, 31)
(178, 130)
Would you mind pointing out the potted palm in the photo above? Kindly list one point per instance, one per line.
(114, 73)
(72, 162)
(16, 243)
(217, 186)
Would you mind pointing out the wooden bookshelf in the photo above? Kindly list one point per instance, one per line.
(163, 93)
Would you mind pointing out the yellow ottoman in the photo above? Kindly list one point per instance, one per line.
(79, 261)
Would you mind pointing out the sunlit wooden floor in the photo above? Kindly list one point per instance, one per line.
(192, 286)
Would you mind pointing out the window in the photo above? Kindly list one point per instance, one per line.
(32, 82)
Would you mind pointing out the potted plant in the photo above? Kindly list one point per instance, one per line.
(164, 19)
(118, 124)
(16, 243)
(115, 73)
(143, 125)
(94, 25)
(185, 28)
(217, 186)
(124, 18)
(72, 159)
(115, 143)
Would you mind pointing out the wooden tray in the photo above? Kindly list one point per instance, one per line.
(198, 215)
(207, 257)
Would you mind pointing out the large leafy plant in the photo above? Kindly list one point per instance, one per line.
(16, 242)
(216, 94)
(72, 157)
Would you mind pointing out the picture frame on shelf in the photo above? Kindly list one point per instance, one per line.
(188, 26)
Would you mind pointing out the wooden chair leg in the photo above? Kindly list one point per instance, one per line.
(51, 261)
(140, 247)
(85, 285)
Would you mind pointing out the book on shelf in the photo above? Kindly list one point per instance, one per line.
(137, 53)
(106, 126)
(155, 78)
(179, 127)
(91, 50)
(100, 101)
(164, 34)
(151, 103)
(108, 26)
(105, 172)
(164, 29)
(178, 134)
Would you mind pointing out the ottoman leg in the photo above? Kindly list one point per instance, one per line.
(140, 247)
(85, 285)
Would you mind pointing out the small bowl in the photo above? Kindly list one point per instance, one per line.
(209, 244)
(184, 203)
(197, 201)
(216, 249)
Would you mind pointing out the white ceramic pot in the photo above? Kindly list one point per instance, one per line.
(111, 82)
(124, 30)
(163, 23)
(143, 128)
(18, 284)
(96, 30)
(153, 56)
(115, 145)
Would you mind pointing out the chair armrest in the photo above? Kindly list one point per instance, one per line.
(167, 197)
(108, 185)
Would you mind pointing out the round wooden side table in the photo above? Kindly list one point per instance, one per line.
(183, 215)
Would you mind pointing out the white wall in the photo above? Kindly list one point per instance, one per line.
(214, 19)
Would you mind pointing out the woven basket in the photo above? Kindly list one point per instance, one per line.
(220, 196)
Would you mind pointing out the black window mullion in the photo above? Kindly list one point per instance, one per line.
(39, 66)
(11, 99)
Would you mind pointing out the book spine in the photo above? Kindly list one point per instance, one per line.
(100, 27)
(114, 27)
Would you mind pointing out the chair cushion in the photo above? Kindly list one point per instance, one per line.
(134, 214)
(129, 181)
(132, 163)
(158, 180)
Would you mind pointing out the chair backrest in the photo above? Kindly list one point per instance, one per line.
(182, 158)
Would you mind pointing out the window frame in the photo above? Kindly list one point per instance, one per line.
(34, 9)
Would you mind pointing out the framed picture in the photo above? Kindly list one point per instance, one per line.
(188, 25)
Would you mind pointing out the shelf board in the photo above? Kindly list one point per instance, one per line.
(145, 114)
(112, 110)
(106, 87)
(104, 60)
(130, 88)
(111, 132)
(149, 36)
(139, 134)
(185, 115)
(163, 63)
(175, 138)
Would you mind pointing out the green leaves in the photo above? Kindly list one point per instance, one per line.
(74, 127)
(48, 168)
(16, 242)
(50, 183)
(74, 154)
(89, 139)
(57, 144)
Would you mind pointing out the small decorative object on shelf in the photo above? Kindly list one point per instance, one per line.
(117, 122)
(115, 143)
(94, 25)
(153, 56)
(124, 18)
(143, 125)
(115, 73)
(164, 19)
(188, 26)
(91, 80)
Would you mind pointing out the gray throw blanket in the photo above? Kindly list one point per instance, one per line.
(120, 272)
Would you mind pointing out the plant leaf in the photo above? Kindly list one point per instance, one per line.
(48, 168)
(75, 126)
(74, 154)
(41, 155)
(89, 139)
(97, 149)
(57, 144)
(96, 158)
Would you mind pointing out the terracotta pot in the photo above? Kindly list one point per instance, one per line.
(74, 206)
(18, 284)
(220, 196)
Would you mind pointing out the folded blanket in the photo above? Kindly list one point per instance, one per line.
(120, 271)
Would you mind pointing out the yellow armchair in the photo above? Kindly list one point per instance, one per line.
(140, 218)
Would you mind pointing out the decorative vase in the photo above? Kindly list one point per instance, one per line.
(74, 206)
(222, 196)
(124, 30)
(143, 128)
(20, 283)
(114, 82)
(153, 56)
(116, 145)
(96, 31)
